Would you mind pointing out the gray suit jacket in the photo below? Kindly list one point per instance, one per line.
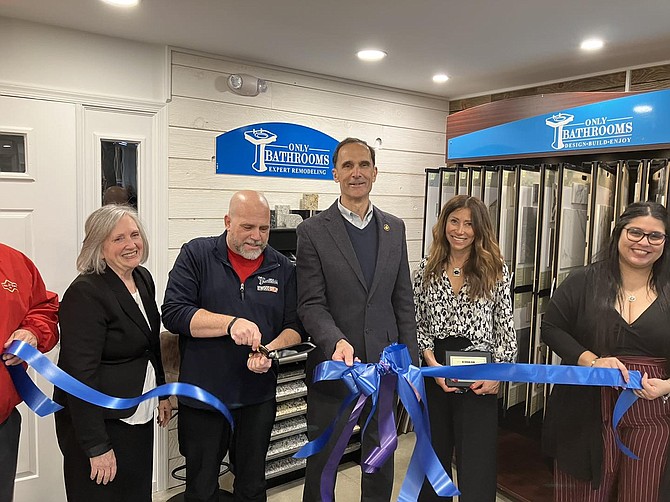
(333, 299)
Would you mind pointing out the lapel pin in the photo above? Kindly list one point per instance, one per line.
(387, 227)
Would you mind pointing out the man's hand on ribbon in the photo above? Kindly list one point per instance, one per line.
(103, 467)
(20, 334)
(244, 332)
(344, 352)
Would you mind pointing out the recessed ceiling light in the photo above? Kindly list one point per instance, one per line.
(440, 78)
(122, 3)
(6, 145)
(592, 44)
(371, 55)
(642, 109)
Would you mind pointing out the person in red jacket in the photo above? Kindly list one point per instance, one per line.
(29, 313)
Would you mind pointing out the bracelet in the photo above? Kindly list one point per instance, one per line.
(665, 398)
(230, 326)
(594, 361)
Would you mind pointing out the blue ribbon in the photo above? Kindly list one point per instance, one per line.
(43, 406)
(367, 380)
(552, 374)
(363, 380)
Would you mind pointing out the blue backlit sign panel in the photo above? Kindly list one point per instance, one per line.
(636, 120)
(276, 149)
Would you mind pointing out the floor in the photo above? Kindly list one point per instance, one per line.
(348, 480)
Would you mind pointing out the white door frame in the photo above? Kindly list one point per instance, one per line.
(152, 188)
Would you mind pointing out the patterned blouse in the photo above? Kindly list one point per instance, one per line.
(487, 323)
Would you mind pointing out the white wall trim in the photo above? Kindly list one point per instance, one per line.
(116, 102)
(159, 245)
(167, 89)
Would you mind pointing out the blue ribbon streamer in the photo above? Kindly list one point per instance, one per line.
(43, 406)
(363, 380)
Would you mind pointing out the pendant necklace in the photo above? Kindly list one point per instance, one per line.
(457, 271)
(631, 297)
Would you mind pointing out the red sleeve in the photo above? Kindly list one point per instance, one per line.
(42, 317)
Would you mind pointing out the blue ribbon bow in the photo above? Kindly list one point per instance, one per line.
(396, 371)
(43, 406)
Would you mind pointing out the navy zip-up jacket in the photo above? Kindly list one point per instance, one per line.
(202, 277)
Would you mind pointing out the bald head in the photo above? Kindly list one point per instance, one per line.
(245, 200)
(248, 223)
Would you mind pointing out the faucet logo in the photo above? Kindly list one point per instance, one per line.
(275, 149)
(260, 138)
(557, 122)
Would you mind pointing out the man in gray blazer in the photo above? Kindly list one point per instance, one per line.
(354, 299)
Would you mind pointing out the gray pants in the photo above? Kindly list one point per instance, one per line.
(9, 452)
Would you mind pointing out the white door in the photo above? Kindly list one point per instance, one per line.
(126, 126)
(38, 215)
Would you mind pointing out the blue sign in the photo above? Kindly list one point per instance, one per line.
(636, 120)
(276, 149)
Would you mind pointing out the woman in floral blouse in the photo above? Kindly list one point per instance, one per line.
(463, 303)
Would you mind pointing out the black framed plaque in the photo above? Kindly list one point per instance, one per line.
(461, 358)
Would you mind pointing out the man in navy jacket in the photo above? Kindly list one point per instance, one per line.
(225, 296)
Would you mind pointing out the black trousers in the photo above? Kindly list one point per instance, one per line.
(133, 449)
(468, 424)
(205, 438)
(322, 408)
(10, 430)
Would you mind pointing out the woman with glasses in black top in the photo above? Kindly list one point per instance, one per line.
(614, 314)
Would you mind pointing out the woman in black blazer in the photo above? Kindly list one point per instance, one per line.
(110, 341)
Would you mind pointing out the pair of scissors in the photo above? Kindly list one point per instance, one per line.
(298, 348)
(270, 354)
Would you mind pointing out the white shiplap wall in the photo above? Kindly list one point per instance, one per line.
(412, 130)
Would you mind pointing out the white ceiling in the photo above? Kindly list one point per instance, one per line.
(484, 45)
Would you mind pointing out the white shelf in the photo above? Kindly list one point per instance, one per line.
(282, 466)
(289, 427)
(286, 447)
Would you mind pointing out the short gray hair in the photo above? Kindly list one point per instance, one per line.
(98, 227)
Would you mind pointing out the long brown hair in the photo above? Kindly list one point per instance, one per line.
(485, 263)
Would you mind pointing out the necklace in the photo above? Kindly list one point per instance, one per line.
(457, 271)
(630, 296)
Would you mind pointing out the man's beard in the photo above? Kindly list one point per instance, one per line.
(250, 254)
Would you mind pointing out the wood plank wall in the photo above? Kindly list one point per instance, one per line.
(653, 78)
(411, 128)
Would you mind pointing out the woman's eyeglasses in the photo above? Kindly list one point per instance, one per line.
(636, 235)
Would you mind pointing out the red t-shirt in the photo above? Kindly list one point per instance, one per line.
(242, 266)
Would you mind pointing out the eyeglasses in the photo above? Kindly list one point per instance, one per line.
(636, 235)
